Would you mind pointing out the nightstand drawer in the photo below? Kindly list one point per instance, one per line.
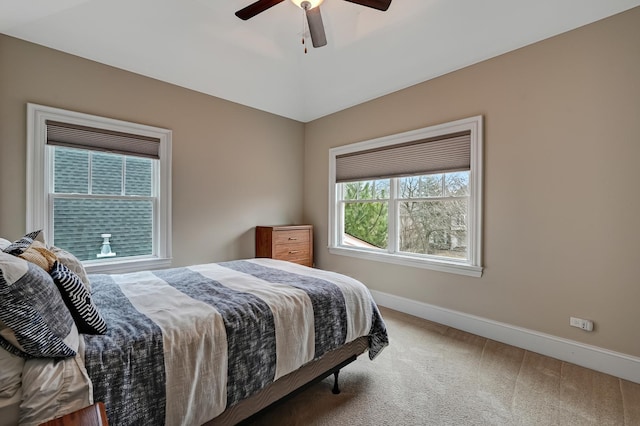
(292, 237)
(298, 252)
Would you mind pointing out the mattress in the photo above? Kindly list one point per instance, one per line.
(185, 344)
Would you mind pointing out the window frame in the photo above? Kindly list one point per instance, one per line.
(473, 267)
(39, 205)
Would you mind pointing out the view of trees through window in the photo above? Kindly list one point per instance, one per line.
(366, 217)
(430, 212)
(102, 193)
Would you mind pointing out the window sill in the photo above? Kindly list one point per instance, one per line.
(433, 264)
(120, 266)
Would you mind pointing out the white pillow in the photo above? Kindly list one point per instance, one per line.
(74, 265)
(10, 373)
(4, 243)
(54, 387)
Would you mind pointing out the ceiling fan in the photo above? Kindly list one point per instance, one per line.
(312, 11)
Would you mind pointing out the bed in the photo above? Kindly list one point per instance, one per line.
(204, 344)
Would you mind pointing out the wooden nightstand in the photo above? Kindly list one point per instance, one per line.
(93, 415)
(293, 243)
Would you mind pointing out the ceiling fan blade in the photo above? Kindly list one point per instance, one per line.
(375, 4)
(316, 28)
(254, 8)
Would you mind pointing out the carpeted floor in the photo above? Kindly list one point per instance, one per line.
(435, 375)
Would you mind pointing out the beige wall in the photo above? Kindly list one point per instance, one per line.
(233, 167)
(562, 189)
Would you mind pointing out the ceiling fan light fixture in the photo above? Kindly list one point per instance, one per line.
(312, 3)
(312, 14)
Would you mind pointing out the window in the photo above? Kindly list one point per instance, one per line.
(413, 198)
(100, 188)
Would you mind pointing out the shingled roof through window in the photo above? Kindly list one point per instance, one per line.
(79, 222)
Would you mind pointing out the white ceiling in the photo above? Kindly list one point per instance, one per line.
(202, 45)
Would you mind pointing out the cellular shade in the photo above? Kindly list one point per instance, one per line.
(84, 137)
(440, 154)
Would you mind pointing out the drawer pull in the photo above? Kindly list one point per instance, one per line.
(292, 239)
(294, 251)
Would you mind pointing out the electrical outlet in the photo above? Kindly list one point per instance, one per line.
(584, 324)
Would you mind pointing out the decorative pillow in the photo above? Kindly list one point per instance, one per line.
(10, 373)
(78, 300)
(36, 322)
(20, 246)
(4, 243)
(74, 265)
(39, 254)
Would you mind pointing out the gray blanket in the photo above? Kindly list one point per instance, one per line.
(185, 343)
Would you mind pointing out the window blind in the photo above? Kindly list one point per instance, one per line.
(84, 137)
(440, 154)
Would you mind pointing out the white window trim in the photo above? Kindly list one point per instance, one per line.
(472, 267)
(38, 168)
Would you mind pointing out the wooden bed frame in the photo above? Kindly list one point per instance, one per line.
(293, 383)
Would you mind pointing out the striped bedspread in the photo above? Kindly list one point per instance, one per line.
(185, 343)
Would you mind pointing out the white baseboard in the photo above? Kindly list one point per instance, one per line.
(617, 364)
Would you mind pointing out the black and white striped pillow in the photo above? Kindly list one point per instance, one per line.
(18, 247)
(78, 300)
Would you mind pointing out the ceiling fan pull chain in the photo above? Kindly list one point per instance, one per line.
(304, 30)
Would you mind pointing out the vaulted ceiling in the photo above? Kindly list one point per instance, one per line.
(202, 45)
